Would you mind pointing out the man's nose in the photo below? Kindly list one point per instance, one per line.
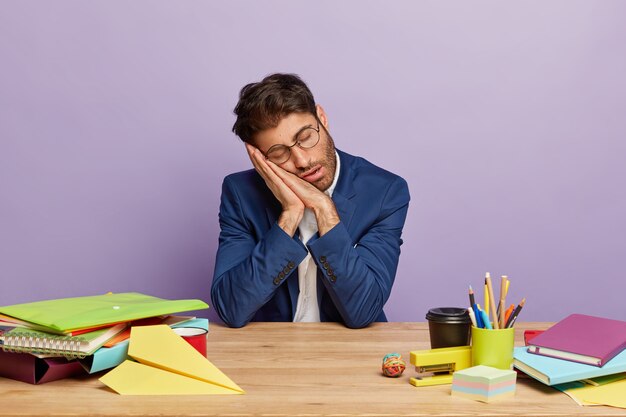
(299, 157)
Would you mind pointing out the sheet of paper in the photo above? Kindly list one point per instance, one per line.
(167, 365)
(574, 390)
(132, 378)
(610, 394)
(160, 347)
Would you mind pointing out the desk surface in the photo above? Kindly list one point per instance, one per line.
(298, 369)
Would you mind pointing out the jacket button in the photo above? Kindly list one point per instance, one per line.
(281, 275)
(333, 278)
(290, 265)
(322, 259)
(276, 281)
(331, 272)
(286, 270)
(326, 266)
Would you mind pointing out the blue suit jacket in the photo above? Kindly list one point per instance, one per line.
(256, 270)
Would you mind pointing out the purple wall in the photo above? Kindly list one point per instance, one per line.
(506, 118)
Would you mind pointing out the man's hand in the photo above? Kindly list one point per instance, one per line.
(293, 207)
(321, 204)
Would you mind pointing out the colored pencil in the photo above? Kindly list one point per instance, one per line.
(516, 313)
(496, 325)
(486, 298)
(471, 296)
(502, 303)
(470, 311)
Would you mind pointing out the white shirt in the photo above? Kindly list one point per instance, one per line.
(307, 308)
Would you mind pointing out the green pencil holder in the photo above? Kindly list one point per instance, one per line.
(491, 347)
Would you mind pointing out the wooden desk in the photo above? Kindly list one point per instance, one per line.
(290, 369)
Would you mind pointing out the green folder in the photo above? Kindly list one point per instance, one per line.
(66, 314)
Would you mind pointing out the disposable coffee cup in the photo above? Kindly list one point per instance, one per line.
(195, 336)
(448, 326)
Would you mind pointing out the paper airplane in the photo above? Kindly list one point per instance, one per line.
(166, 365)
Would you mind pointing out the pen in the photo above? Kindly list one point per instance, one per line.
(508, 312)
(496, 325)
(516, 313)
(486, 320)
(478, 316)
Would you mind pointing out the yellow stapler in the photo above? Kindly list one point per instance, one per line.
(436, 366)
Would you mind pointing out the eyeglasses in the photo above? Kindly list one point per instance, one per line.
(305, 139)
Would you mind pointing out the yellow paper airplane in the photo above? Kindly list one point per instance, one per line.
(168, 365)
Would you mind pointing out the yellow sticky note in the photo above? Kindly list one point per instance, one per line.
(132, 378)
(168, 365)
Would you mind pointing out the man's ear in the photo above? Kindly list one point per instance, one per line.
(321, 115)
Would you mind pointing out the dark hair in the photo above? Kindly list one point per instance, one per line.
(262, 105)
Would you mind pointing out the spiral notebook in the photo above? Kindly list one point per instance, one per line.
(47, 344)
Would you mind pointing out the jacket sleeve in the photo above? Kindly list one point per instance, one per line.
(359, 278)
(248, 270)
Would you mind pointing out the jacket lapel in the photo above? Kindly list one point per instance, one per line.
(344, 191)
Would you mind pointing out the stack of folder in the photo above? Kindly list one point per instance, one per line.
(579, 351)
(53, 339)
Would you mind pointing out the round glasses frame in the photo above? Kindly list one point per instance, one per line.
(279, 153)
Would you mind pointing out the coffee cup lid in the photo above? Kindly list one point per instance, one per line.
(448, 315)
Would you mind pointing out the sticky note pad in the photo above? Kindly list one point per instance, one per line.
(484, 383)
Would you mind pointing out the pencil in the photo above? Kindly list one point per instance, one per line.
(486, 297)
(516, 313)
(470, 311)
(473, 310)
(503, 282)
(496, 325)
(504, 287)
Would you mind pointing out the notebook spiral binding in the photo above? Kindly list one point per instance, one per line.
(24, 342)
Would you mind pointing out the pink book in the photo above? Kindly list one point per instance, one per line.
(581, 338)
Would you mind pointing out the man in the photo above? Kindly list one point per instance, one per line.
(311, 233)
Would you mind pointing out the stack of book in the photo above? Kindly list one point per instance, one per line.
(576, 348)
(48, 340)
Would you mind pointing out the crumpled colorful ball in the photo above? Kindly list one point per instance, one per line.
(393, 365)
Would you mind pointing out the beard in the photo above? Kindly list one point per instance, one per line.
(328, 162)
